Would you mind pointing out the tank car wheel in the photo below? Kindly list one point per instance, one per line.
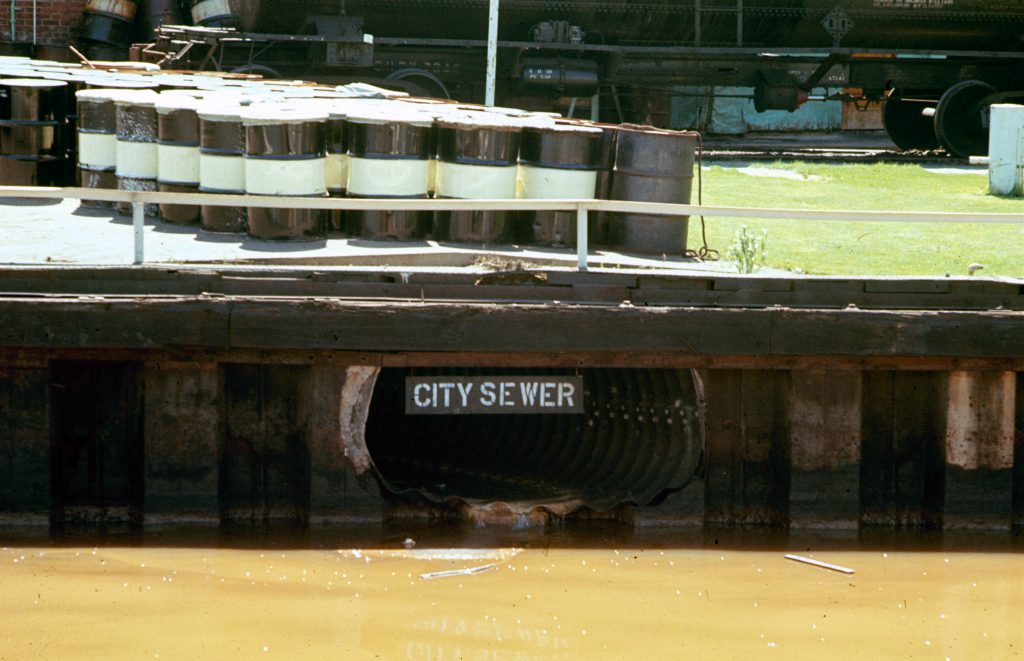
(420, 82)
(906, 123)
(961, 118)
(259, 69)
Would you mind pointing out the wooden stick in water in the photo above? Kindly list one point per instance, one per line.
(818, 563)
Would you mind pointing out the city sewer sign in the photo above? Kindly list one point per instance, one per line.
(464, 395)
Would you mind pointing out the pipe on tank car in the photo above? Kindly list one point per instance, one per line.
(35, 21)
(14, 21)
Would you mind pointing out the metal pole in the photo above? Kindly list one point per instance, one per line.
(35, 21)
(139, 224)
(492, 52)
(595, 107)
(581, 238)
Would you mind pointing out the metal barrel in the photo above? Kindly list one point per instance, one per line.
(222, 162)
(476, 159)
(154, 13)
(97, 141)
(108, 22)
(32, 112)
(389, 156)
(286, 154)
(337, 160)
(557, 161)
(178, 154)
(137, 162)
(75, 81)
(652, 165)
(598, 222)
(214, 14)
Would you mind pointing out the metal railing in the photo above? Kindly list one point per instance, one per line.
(582, 208)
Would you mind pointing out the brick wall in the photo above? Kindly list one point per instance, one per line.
(57, 21)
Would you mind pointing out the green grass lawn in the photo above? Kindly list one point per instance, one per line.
(867, 248)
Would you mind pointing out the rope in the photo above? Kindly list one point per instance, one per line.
(705, 253)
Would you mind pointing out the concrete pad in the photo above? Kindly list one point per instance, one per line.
(45, 232)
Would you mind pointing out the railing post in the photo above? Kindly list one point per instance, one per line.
(582, 227)
(139, 225)
(492, 53)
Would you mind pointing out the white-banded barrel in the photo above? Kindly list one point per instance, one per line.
(557, 161)
(97, 141)
(32, 112)
(476, 160)
(108, 22)
(178, 154)
(222, 162)
(652, 165)
(214, 14)
(137, 162)
(389, 157)
(286, 154)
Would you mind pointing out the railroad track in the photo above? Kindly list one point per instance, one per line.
(716, 152)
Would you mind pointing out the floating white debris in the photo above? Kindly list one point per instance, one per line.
(458, 572)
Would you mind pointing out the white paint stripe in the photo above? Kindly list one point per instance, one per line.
(388, 177)
(137, 160)
(97, 150)
(265, 176)
(476, 182)
(222, 173)
(178, 165)
(552, 184)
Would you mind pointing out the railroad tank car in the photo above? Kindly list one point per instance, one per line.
(938, 64)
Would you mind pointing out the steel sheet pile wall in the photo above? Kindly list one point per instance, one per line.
(121, 445)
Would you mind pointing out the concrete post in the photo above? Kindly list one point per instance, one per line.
(1006, 149)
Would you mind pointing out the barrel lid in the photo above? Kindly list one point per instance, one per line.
(388, 113)
(222, 107)
(139, 98)
(121, 83)
(168, 102)
(549, 125)
(469, 120)
(270, 114)
(131, 64)
(31, 82)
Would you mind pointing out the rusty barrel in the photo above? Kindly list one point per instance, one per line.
(214, 14)
(137, 160)
(476, 160)
(76, 80)
(97, 142)
(389, 157)
(152, 14)
(178, 154)
(286, 154)
(108, 22)
(222, 162)
(32, 112)
(652, 165)
(557, 161)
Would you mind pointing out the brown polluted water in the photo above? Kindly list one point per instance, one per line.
(515, 604)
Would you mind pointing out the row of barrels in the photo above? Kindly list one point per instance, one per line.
(189, 133)
(110, 26)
